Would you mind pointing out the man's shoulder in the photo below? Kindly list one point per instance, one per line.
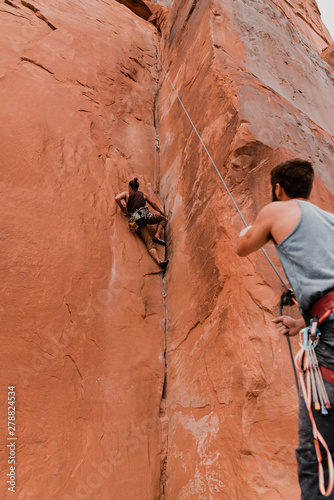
(272, 209)
(278, 207)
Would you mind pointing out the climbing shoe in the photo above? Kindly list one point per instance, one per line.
(157, 240)
(163, 264)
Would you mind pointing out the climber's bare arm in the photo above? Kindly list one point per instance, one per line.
(155, 206)
(274, 222)
(120, 198)
(256, 236)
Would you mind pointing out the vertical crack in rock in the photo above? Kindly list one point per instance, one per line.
(163, 414)
(163, 406)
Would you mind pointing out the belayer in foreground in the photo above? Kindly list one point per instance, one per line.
(304, 238)
(139, 217)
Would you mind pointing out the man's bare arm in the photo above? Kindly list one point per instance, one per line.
(257, 235)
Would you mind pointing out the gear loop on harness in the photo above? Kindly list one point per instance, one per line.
(325, 316)
(133, 221)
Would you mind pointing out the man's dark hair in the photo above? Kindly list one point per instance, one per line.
(134, 184)
(295, 176)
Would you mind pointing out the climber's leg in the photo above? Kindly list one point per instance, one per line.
(162, 222)
(147, 238)
(154, 254)
(158, 231)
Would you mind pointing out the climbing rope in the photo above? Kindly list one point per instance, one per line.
(211, 159)
(156, 138)
(313, 387)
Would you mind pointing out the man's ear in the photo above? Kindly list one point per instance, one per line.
(280, 193)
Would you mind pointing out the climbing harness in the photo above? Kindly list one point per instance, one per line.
(133, 221)
(312, 383)
(323, 307)
(138, 215)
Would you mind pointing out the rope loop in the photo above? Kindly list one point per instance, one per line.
(311, 383)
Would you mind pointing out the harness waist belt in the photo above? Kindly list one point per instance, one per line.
(326, 303)
(137, 210)
(327, 374)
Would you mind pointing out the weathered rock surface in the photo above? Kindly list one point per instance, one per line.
(328, 55)
(82, 306)
(165, 3)
(83, 314)
(255, 90)
(139, 7)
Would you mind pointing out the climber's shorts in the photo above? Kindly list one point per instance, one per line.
(145, 234)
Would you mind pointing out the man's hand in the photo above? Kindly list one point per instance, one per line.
(286, 324)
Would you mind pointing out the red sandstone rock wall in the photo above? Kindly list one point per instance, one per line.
(305, 18)
(254, 85)
(83, 312)
(82, 306)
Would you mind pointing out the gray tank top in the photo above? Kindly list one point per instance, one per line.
(307, 255)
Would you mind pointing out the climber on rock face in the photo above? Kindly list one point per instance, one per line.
(304, 238)
(133, 204)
